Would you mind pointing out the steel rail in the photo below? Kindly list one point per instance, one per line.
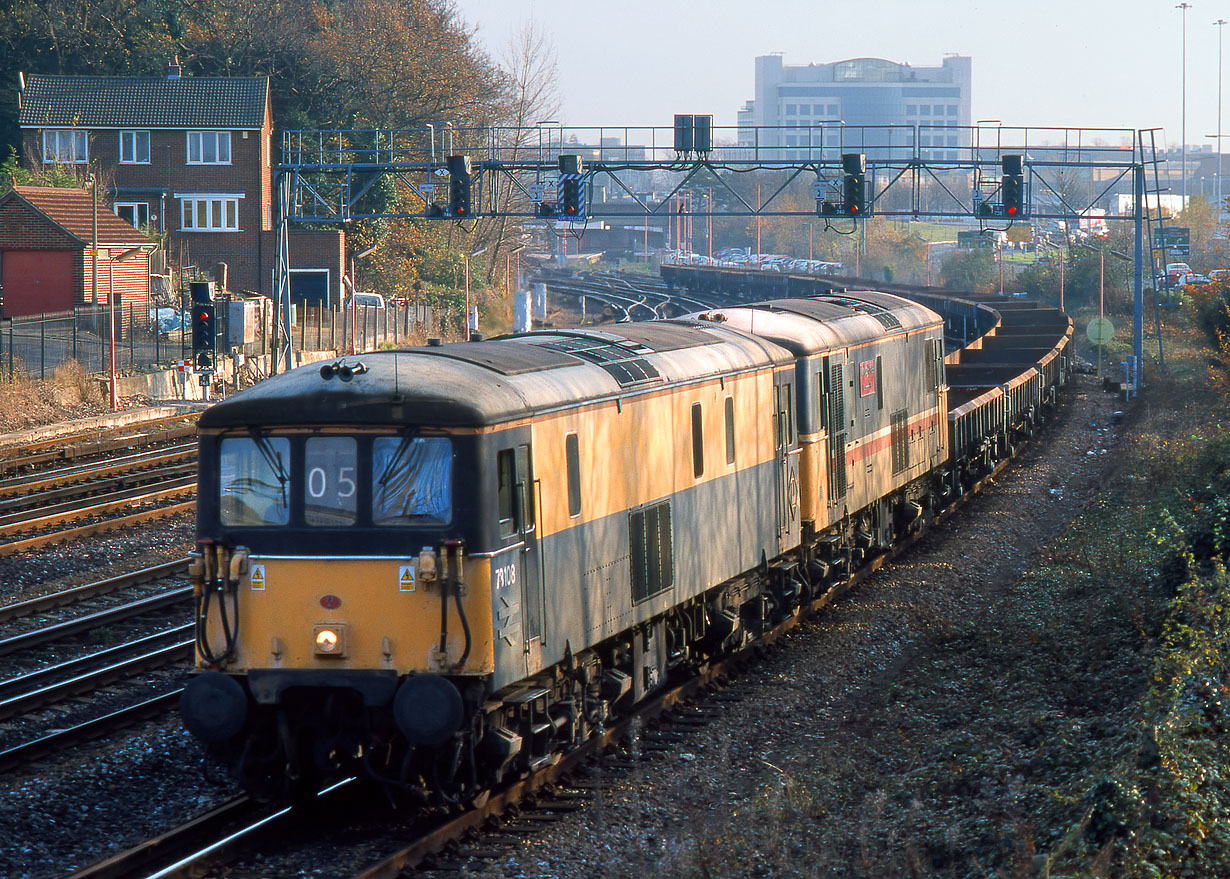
(61, 740)
(413, 853)
(165, 846)
(17, 523)
(66, 629)
(65, 477)
(24, 544)
(31, 695)
(92, 590)
(89, 443)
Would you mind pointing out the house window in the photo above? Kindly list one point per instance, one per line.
(211, 214)
(209, 147)
(134, 147)
(65, 146)
(135, 212)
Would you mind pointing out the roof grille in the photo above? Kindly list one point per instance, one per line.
(624, 362)
(886, 318)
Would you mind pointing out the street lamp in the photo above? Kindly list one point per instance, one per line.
(1217, 138)
(1220, 23)
(1101, 290)
(467, 265)
(1059, 250)
(1183, 129)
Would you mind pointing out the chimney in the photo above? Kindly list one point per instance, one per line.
(175, 71)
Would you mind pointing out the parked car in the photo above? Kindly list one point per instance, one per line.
(1193, 278)
(367, 300)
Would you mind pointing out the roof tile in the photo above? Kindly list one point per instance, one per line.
(73, 211)
(144, 102)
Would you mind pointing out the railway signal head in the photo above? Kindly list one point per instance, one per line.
(204, 336)
(459, 186)
(854, 184)
(1012, 186)
(570, 197)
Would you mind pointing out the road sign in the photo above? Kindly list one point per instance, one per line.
(1176, 240)
(1100, 330)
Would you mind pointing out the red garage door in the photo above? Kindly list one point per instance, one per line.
(36, 281)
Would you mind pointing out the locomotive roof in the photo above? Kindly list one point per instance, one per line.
(842, 319)
(471, 384)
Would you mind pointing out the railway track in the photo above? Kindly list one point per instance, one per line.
(43, 453)
(21, 532)
(68, 488)
(87, 670)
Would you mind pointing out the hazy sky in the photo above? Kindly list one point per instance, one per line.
(1067, 63)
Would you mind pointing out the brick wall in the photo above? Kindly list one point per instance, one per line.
(24, 229)
(248, 257)
(127, 280)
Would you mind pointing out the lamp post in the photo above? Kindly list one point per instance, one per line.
(1101, 290)
(467, 267)
(1183, 127)
(1220, 23)
(1059, 252)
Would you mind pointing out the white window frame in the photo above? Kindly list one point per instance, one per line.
(131, 143)
(138, 208)
(74, 141)
(209, 212)
(199, 147)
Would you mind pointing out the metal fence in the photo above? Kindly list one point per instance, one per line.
(145, 340)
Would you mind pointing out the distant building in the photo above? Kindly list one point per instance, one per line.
(189, 156)
(804, 104)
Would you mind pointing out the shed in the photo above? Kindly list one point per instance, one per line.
(46, 263)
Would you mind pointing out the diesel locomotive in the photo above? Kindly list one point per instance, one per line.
(442, 566)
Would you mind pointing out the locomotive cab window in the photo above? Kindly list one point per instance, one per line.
(412, 481)
(254, 485)
(330, 495)
(506, 492)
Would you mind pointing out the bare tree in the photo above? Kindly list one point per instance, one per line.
(531, 76)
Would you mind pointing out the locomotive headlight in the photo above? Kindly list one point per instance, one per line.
(330, 639)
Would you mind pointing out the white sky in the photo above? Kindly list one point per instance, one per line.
(1065, 63)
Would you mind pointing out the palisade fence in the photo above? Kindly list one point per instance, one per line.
(144, 340)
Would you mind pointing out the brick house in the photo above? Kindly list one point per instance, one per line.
(45, 259)
(187, 156)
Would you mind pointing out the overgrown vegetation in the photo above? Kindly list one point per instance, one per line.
(25, 401)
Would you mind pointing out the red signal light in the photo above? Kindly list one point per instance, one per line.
(1011, 209)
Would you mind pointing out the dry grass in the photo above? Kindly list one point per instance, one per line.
(69, 393)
